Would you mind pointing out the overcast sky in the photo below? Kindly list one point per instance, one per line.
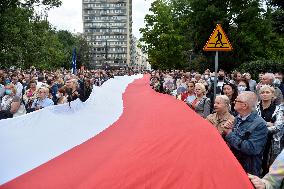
(69, 15)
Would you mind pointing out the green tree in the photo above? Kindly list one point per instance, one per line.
(14, 35)
(70, 42)
(28, 40)
(245, 24)
(189, 23)
(46, 48)
(277, 15)
(83, 52)
(30, 4)
(22, 33)
(161, 38)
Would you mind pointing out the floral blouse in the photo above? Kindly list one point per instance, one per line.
(7, 101)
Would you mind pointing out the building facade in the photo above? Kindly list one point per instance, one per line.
(107, 26)
(139, 60)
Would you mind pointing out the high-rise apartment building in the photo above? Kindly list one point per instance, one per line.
(107, 25)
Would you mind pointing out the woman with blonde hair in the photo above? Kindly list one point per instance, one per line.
(222, 113)
(60, 82)
(273, 115)
(201, 103)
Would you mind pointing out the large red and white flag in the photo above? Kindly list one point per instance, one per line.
(125, 136)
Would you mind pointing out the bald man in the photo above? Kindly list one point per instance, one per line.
(247, 135)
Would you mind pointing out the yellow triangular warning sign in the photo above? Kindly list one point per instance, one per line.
(218, 41)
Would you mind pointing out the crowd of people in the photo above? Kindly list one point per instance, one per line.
(25, 91)
(247, 113)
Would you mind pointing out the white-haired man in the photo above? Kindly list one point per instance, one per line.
(248, 134)
(42, 100)
(268, 79)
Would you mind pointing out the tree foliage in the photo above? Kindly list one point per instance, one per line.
(278, 15)
(28, 40)
(187, 25)
(258, 66)
(28, 4)
(162, 36)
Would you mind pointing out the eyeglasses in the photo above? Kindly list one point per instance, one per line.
(238, 101)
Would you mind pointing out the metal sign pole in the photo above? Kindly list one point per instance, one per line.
(215, 78)
(218, 41)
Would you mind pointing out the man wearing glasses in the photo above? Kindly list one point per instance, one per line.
(247, 135)
(42, 101)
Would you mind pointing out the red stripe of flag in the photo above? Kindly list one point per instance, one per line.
(158, 142)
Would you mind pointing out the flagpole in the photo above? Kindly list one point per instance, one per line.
(74, 61)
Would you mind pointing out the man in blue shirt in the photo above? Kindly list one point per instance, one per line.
(42, 101)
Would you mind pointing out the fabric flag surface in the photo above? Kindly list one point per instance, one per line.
(74, 65)
(157, 142)
(33, 139)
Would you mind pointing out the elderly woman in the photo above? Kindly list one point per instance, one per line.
(222, 113)
(273, 115)
(10, 102)
(201, 104)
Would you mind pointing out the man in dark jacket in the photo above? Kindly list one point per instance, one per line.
(247, 135)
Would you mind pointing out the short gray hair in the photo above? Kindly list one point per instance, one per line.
(270, 76)
(201, 85)
(250, 98)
